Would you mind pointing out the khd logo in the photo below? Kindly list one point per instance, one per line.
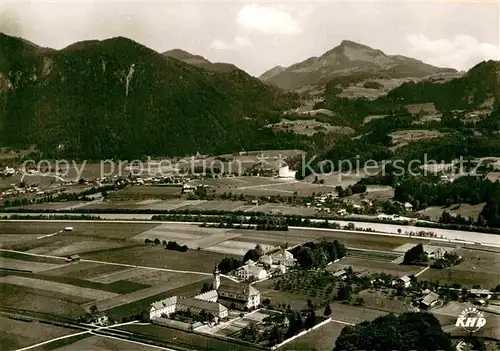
(471, 320)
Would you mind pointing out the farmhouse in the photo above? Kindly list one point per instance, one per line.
(278, 257)
(285, 173)
(435, 253)
(165, 306)
(408, 206)
(101, 319)
(235, 295)
(72, 258)
(403, 281)
(339, 274)
(483, 293)
(429, 300)
(239, 296)
(251, 271)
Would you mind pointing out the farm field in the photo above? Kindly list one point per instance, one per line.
(85, 293)
(185, 339)
(119, 300)
(356, 240)
(320, 339)
(191, 235)
(23, 257)
(193, 260)
(235, 247)
(17, 334)
(479, 267)
(76, 247)
(118, 287)
(465, 210)
(85, 237)
(380, 301)
(120, 274)
(29, 266)
(55, 205)
(403, 137)
(146, 192)
(9, 239)
(32, 299)
(100, 343)
(82, 270)
(370, 267)
(89, 229)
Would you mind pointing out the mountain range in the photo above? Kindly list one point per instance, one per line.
(348, 59)
(200, 61)
(117, 98)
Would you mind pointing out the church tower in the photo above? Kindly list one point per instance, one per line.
(216, 282)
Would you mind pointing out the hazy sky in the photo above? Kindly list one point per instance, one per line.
(257, 36)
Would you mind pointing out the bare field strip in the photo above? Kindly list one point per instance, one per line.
(370, 267)
(30, 266)
(85, 246)
(29, 227)
(232, 248)
(169, 205)
(150, 277)
(83, 270)
(126, 274)
(116, 301)
(146, 192)
(86, 293)
(182, 233)
(220, 205)
(89, 229)
(73, 268)
(266, 239)
(211, 240)
(109, 230)
(53, 205)
(150, 256)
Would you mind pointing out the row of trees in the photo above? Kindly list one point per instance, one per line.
(313, 255)
(170, 245)
(408, 331)
(415, 254)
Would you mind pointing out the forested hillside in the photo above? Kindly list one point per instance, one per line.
(117, 98)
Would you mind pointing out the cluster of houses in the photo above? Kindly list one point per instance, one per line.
(275, 261)
(16, 190)
(217, 302)
(429, 299)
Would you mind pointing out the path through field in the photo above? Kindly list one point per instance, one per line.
(122, 264)
(90, 331)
